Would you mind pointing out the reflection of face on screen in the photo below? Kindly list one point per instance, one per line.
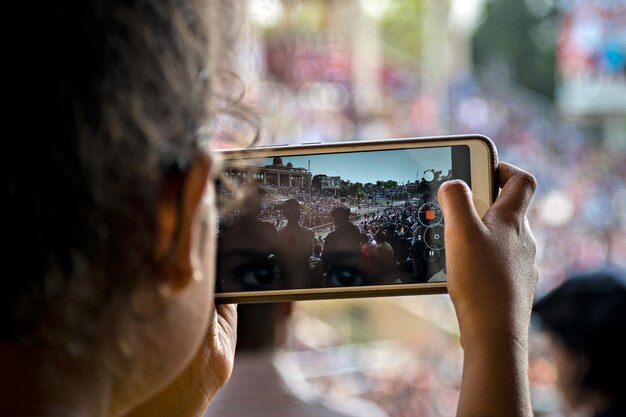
(333, 220)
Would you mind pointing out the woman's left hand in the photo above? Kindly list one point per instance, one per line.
(191, 392)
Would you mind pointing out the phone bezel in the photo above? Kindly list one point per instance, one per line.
(483, 163)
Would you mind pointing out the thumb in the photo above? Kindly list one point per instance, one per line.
(458, 208)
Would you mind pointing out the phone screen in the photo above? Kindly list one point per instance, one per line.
(340, 219)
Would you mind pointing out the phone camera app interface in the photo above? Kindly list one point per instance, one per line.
(335, 220)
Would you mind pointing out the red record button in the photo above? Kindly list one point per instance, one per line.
(430, 214)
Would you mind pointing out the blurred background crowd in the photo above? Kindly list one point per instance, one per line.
(545, 79)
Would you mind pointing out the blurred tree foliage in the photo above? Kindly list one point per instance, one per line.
(401, 26)
(518, 37)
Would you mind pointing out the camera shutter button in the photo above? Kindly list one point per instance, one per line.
(434, 238)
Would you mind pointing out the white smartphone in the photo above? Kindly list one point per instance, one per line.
(342, 220)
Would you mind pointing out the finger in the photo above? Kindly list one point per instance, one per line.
(227, 313)
(458, 208)
(225, 330)
(518, 187)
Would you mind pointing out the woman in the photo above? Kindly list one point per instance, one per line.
(109, 309)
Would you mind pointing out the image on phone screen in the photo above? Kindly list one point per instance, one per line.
(340, 219)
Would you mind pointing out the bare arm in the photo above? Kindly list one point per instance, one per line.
(491, 280)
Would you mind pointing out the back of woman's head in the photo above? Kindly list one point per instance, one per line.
(133, 91)
(587, 315)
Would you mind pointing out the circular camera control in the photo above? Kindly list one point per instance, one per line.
(430, 214)
(434, 238)
(431, 255)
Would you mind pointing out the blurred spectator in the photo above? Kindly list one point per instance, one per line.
(385, 250)
(586, 319)
(295, 244)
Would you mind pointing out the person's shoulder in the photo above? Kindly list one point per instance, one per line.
(330, 238)
(267, 227)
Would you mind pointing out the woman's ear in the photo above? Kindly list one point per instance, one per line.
(180, 200)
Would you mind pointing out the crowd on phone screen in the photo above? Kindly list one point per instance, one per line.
(318, 204)
(335, 241)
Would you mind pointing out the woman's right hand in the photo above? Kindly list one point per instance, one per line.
(491, 280)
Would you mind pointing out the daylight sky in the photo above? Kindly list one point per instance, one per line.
(401, 165)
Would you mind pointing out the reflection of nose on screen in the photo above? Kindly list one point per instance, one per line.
(430, 214)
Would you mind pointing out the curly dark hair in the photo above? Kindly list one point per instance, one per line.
(136, 84)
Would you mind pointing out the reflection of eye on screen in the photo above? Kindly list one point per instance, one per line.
(336, 220)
